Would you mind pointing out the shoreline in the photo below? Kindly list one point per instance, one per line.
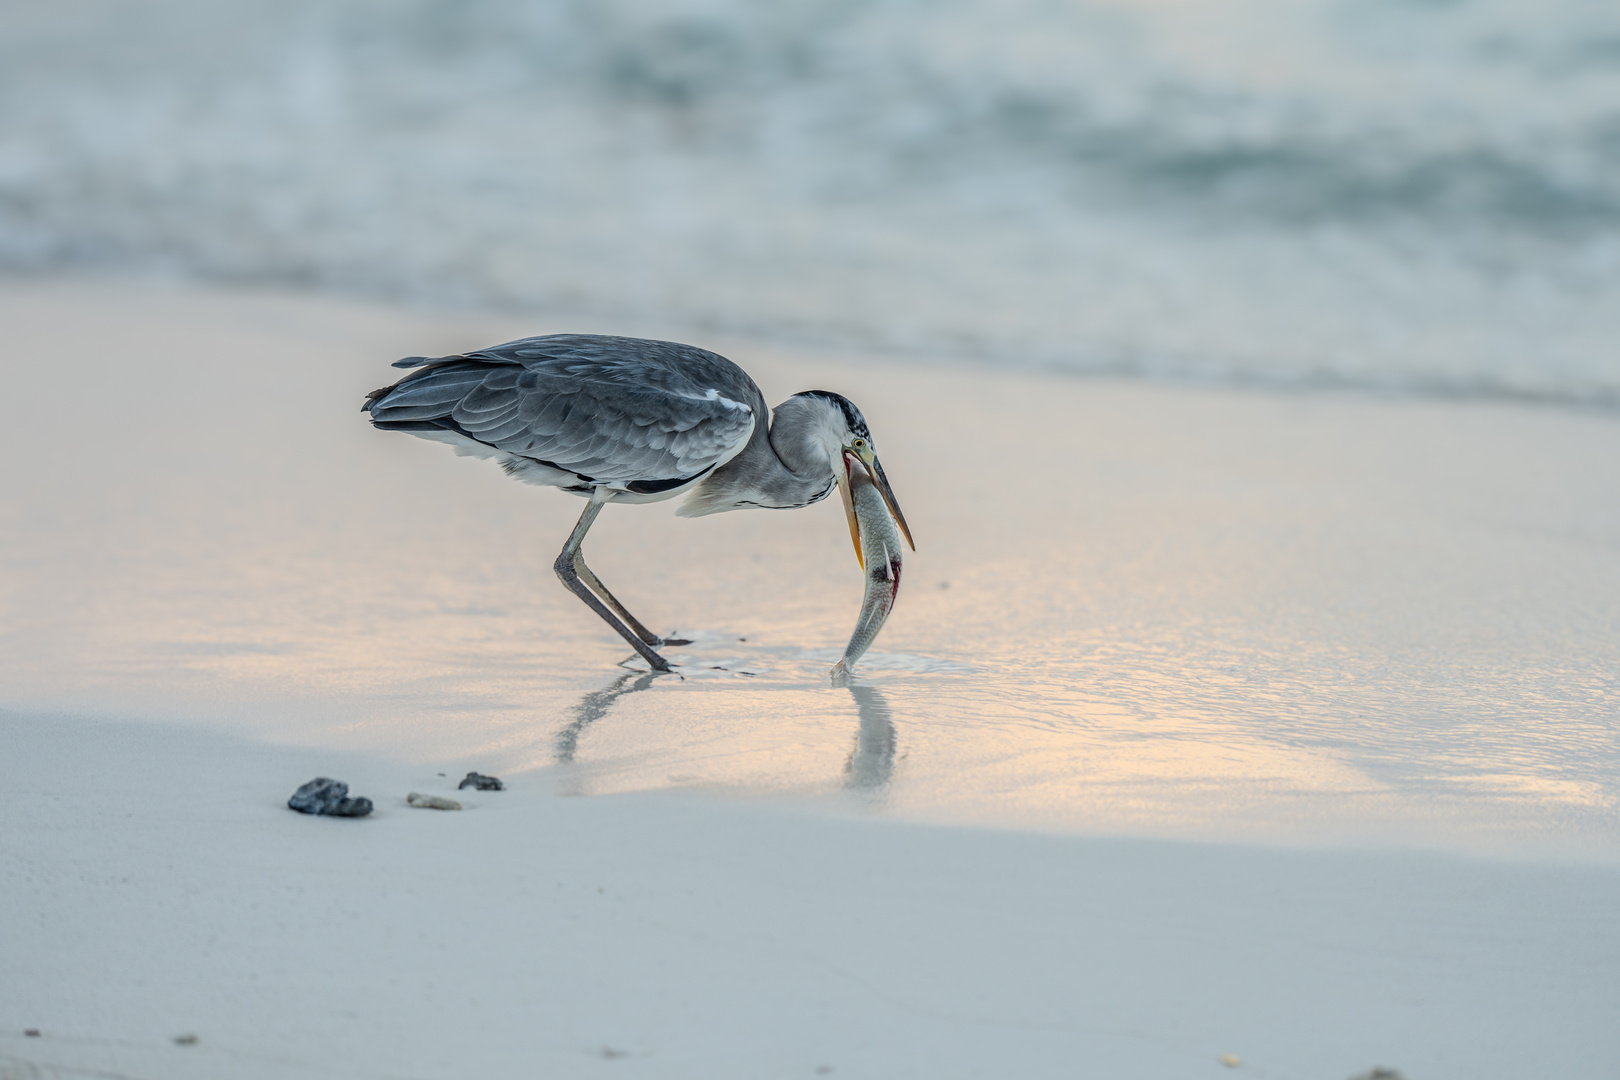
(740, 339)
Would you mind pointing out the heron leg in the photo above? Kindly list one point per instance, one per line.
(568, 566)
(612, 601)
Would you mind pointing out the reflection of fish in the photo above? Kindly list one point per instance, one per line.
(871, 763)
(879, 541)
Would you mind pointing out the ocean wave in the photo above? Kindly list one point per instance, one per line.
(1407, 197)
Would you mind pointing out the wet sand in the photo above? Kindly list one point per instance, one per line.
(1149, 622)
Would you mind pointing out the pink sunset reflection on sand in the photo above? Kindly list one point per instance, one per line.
(1163, 613)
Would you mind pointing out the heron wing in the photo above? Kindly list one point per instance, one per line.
(611, 410)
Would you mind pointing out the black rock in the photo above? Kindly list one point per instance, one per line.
(331, 797)
(481, 782)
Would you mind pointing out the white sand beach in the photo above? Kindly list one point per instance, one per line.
(1210, 722)
(158, 888)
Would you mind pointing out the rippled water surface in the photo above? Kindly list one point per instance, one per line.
(1133, 608)
(1403, 194)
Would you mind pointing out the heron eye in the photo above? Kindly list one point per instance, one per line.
(859, 444)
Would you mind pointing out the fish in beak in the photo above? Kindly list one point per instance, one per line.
(849, 506)
(866, 460)
(880, 549)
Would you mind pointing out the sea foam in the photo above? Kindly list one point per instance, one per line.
(1405, 197)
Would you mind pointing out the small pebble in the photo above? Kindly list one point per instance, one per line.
(323, 795)
(431, 802)
(481, 782)
(32, 1033)
(1231, 1061)
(185, 1040)
(611, 1054)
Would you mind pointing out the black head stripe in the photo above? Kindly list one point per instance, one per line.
(852, 415)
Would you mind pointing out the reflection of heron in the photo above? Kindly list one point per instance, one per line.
(871, 763)
(592, 707)
(627, 420)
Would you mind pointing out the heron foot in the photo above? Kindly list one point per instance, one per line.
(666, 669)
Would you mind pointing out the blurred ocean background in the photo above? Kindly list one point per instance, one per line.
(1406, 196)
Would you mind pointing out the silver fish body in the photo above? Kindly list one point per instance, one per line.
(880, 552)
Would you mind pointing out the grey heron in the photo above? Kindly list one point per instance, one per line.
(618, 419)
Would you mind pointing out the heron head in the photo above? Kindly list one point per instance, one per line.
(840, 431)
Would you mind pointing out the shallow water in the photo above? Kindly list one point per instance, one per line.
(1132, 609)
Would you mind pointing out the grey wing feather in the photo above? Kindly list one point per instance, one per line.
(613, 410)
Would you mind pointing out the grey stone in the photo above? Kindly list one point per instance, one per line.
(484, 783)
(431, 802)
(323, 795)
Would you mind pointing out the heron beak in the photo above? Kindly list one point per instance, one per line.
(849, 510)
(875, 470)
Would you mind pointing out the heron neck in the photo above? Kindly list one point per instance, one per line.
(783, 467)
(780, 468)
(801, 456)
